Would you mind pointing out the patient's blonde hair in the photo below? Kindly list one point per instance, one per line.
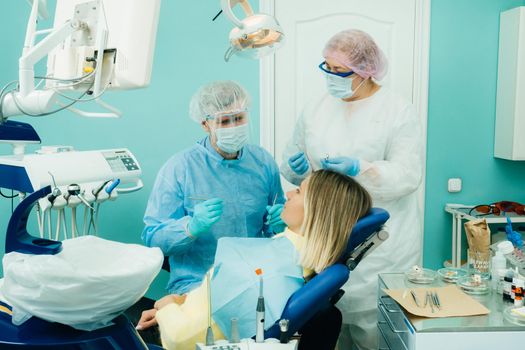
(333, 204)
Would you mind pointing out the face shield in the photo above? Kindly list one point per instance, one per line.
(230, 131)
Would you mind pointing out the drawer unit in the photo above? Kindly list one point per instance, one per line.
(484, 332)
(394, 328)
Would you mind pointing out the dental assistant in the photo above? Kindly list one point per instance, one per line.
(364, 130)
(219, 187)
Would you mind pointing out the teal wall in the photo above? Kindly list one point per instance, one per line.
(462, 92)
(461, 115)
(155, 124)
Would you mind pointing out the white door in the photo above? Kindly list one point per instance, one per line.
(292, 77)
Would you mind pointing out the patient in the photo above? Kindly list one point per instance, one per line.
(320, 215)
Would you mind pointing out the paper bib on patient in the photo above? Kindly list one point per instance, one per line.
(235, 286)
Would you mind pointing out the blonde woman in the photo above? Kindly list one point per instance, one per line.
(320, 215)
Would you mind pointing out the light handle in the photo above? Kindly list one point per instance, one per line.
(228, 5)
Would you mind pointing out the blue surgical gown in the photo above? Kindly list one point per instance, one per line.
(246, 184)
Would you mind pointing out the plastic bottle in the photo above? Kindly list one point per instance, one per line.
(505, 247)
(498, 263)
(518, 292)
(507, 285)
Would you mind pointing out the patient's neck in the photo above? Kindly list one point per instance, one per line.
(295, 229)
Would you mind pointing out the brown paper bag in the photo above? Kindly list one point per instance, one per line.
(478, 238)
(478, 235)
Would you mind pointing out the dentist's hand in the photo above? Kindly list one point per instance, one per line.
(299, 163)
(273, 218)
(343, 165)
(205, 215)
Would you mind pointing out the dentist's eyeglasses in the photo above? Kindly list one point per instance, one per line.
(227, 120)
(325, 69)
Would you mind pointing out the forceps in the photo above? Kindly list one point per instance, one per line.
(414, 296)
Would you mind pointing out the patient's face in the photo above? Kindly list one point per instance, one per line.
(293, 212)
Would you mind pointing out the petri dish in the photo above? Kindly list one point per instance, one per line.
(423, 276)
(451, 274)
(513, 316)
(470, 285)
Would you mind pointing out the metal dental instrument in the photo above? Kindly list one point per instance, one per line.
(426, 299)
(209, 332)
(436, 299)
(55, 192)
(414, 296)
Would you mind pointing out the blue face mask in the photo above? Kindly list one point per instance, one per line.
(231, 140)
(340, 87)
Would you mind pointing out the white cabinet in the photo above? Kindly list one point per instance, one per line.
(509, 140)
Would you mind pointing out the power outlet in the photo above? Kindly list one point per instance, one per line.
(454, 185)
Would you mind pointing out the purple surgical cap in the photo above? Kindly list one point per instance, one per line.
(357, 51)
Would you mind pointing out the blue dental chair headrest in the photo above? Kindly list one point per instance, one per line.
(365, 226)
(320, 291)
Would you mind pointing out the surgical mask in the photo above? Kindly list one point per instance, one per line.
(231, 140)
(340, 87)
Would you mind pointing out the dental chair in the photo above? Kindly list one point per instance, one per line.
(317, 295)
(36, 333)
(323, 291)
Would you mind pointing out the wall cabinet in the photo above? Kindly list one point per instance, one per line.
(509, 142)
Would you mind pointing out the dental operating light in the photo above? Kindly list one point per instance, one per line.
(255, 36)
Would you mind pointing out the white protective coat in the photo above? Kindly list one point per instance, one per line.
(384, 133)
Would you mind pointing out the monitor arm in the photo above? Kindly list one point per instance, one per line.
(29, 101)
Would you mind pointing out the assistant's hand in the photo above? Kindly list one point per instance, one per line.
(205, 215)
(343, 165)
(147, 319)
(273, 218)
(299, 163)
(513, 236)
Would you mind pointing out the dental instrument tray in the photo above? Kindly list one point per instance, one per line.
(451, 274)
(421, 276)
(474, 285)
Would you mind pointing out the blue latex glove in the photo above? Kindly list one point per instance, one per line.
(343, 165)
(298, 163)
(205, 215)
(513, 236)
(273, 218)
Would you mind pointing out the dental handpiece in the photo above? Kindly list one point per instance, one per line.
(210, 339)
(109, 188)
(259, 319)
(74, 190)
